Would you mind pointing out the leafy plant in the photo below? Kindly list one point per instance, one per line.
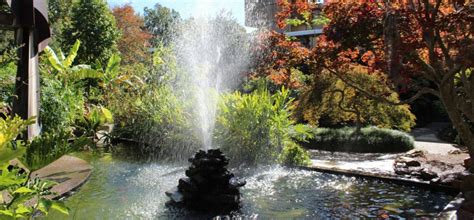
(94, 121)
(330, 102)
(257, 127)
(25, 196)
(11, 129)
(16, 183)
(48, 147)
(294, 154)
(65, 70)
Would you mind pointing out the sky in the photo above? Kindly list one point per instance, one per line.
(191, 8)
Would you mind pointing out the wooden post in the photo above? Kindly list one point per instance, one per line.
(32, 34)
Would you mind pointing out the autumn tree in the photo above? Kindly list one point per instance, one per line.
(278, 59)
(425, 46)
(133, 44)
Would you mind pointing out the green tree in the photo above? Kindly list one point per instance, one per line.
(60, 14)
(162, 23)
(94, 25)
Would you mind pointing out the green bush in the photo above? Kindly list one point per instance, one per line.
(157, 119)
(48, 147)
(367, 140)
(294, 154)
(257, 127)
(60, 106)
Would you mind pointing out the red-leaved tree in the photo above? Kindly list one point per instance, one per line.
(134, 40)
(430, 40)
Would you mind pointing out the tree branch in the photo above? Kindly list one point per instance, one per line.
(370, 95)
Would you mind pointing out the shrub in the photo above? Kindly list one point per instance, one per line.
(11, 129)
(157, 119)
(329, 102)
(294, 154)
(48, 147)
(257, 127)
(367, 140)
(60, 106)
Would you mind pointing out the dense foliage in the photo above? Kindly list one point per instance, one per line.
(257, 128)
(16, 182)
(424, 46)
(162, 23)
(133, 43)
(329, 102)
(365, 140)
(94, 25)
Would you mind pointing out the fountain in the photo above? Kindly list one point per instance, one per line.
(209, 186)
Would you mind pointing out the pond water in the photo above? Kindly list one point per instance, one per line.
(124, 189)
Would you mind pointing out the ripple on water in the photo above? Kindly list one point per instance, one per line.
(128, 190)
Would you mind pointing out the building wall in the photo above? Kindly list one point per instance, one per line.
(261, 14)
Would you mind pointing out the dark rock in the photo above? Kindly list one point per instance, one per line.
(467, 163)
(468, 206)
(209, 185)
(415, 153)
(467, 184)
(427, 175)
(410, 162)
(469, 195)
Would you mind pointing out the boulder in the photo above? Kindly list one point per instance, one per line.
(427, 175)
(415, 153)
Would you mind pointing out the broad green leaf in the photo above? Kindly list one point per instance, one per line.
(113, 65)
(60, 206)
(23, 190)
(21, 209)
(53, 59)
(6, 213)
(107, 116)
(72, 54)
(44, 206)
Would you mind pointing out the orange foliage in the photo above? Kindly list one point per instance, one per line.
(134, 41)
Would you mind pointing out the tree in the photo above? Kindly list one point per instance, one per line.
(162, 23)
(134, 40)
(94, 25)
(429, 40)
(59, 17)
(279, 59)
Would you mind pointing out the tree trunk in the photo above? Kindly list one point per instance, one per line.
(448, 93)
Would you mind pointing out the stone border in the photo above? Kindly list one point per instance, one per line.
(387, 178)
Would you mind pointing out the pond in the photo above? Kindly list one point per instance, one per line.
(126, 189)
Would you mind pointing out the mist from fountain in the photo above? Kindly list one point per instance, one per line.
(212, 53)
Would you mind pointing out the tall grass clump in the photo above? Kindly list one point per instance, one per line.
(258, 128)
(365, 140)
